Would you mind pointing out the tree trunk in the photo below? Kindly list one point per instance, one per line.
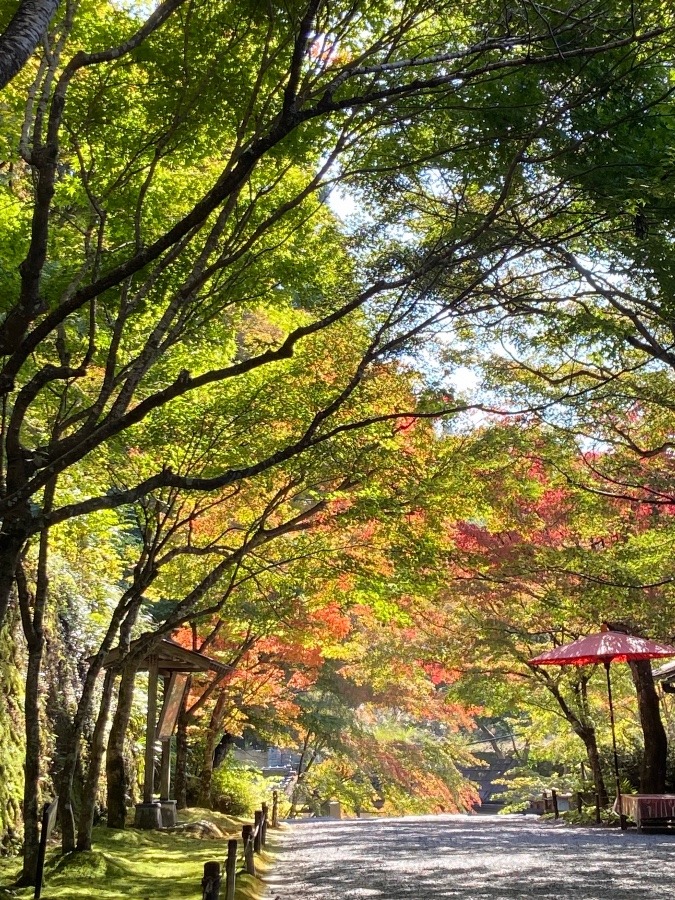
(86, 817)
(22, 36)
(180, 786)
(58, 707)
(122, 621)
(222, 749)
(582, 728)
(295, 794)
(206, 776)
(31, 789)
(32, 618)
(653, 766)
(210, 740)
(116, 775)
(11, 545)
(588, 736)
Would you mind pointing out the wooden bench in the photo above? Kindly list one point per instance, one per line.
(649, 811)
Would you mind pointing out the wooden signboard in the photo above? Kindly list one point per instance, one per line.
(173, 697)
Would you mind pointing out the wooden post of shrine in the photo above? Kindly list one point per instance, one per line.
(149, 813)
(174, 663)
(169, 818)
(150, 727)
(165, 771)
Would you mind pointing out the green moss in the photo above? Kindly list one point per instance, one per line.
(230, 825)
(11, 743)
(92, 865)
(139, 865)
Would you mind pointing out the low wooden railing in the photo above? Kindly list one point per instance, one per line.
(577, 798)
(554, 803)
(253, 839)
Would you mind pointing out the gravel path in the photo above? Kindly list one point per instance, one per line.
(471, 858)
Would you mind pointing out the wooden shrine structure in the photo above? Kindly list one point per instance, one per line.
(171, 663)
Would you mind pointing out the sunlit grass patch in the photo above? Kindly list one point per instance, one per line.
(139, 865)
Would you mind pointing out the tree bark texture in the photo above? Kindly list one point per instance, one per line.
(210, 740)
(583, 728)
(66, 744)
(22, 35)
(654, 757)
(32, 610)
(90, 791)
(115, 768)
(206, 776)
(588, 736)
(31, 815)
(72, 745)
(11, 544)
(300, 770)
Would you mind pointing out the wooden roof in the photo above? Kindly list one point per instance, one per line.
(171, 657)
(666, 673)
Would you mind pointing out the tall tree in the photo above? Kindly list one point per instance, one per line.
(547, 562)
(113, 285)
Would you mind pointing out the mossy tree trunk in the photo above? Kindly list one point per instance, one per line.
(32, 763)
(305, 763)
(210, 741)
(121, 623)
(32, 606)
(90, 791)
(12, 743)
(116, 776)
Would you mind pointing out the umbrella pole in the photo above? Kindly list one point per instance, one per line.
(619, 803)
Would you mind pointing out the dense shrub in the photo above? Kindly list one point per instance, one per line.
(237, 790)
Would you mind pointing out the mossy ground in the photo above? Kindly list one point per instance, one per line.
(139, 865)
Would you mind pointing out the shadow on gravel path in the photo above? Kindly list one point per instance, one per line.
(471, 858)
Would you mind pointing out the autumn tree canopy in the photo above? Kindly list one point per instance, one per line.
(245, 251)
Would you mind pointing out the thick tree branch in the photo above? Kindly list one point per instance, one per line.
(23, 34)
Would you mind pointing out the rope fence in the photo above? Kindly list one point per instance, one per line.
(253, 840)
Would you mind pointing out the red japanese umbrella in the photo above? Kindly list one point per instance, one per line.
(605, 647)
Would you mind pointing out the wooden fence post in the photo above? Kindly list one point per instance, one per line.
(579, 802)
(247, 838)
(554, 798)
(211, 881)
(597, 808)
(545, 796)
(265, 816)
(231, 869)
(275, 809)
(257, 830)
